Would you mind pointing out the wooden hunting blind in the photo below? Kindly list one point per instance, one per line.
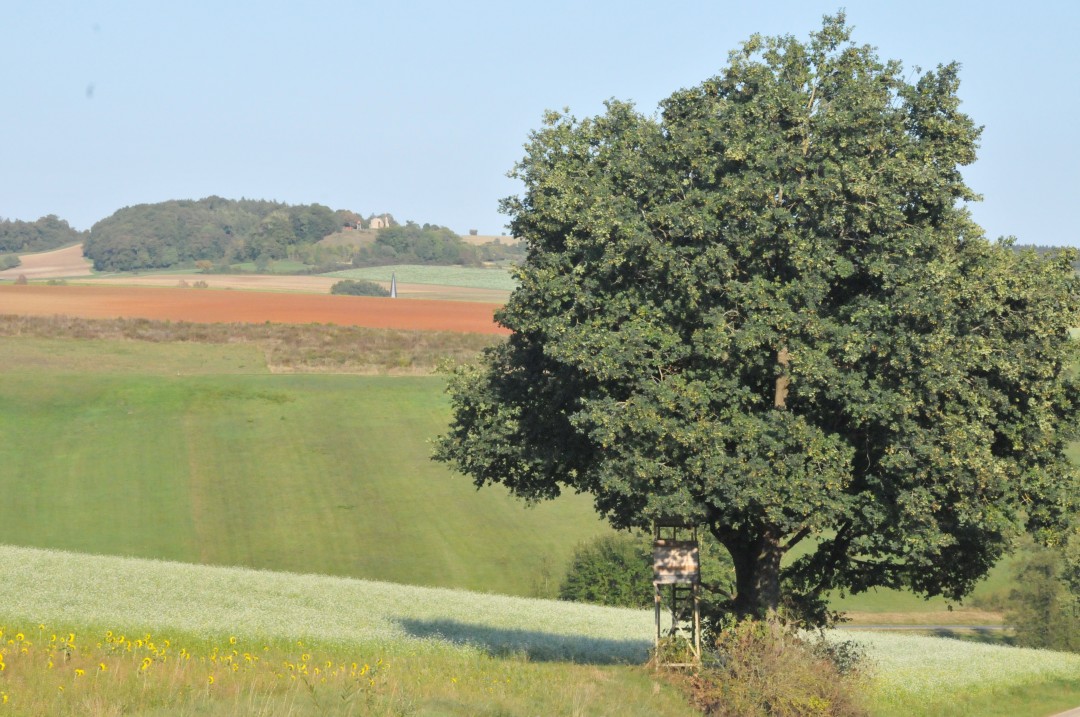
(677, 572)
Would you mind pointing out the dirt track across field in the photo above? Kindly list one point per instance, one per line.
(225, 306)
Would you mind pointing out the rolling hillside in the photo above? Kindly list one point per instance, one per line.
(196, 453)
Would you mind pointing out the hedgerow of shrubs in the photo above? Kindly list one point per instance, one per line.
(765, 668)
(358, 287)
(1044, 608)
(749, 667)
(617, 570)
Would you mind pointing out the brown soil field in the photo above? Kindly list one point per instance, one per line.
(56, 264)
(223, 306)
(251, 282)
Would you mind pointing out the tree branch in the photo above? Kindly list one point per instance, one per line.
(795, 539)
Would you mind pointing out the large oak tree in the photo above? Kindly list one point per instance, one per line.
(767, 310)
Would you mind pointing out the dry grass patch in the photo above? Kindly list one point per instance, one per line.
(288, 348)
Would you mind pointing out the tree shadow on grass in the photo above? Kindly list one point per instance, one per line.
(985, 635)
(534, 645)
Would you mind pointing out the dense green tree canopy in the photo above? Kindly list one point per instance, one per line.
(768, 311)
(412, 243)
(149, 236)
(49, 232)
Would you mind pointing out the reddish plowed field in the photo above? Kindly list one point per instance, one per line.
(223, 306)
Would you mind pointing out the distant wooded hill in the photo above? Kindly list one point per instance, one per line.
(149, 236)
(51, 232)
(221, 232)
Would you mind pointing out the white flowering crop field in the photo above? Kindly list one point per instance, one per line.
(907, 668)
(43, 586)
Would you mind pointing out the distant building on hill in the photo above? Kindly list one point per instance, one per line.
(383, 221)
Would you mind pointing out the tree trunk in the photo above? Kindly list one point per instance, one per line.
(757, 557)
(783, 380)
(757, 574)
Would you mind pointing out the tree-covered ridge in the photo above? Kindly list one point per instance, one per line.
(49, 232)
(158, 235)
(224, 231)
(412, 243)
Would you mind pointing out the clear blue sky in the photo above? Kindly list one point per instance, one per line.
(420, 108)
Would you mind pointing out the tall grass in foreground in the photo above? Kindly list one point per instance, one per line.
(134, 595)
(53, 670)
(442, 651)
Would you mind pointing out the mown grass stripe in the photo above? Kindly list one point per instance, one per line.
(304, 473)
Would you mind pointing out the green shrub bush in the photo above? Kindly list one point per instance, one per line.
(358, 287)
(611, 570)
(1044, 608)
(616, 570)
(764, 668)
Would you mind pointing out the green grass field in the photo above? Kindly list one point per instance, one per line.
(195, 453)
(991, 591)
(278, 266)
(226, 641)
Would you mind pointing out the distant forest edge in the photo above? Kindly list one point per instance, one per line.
(156, 236)
(50, 232)
(215, 233)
